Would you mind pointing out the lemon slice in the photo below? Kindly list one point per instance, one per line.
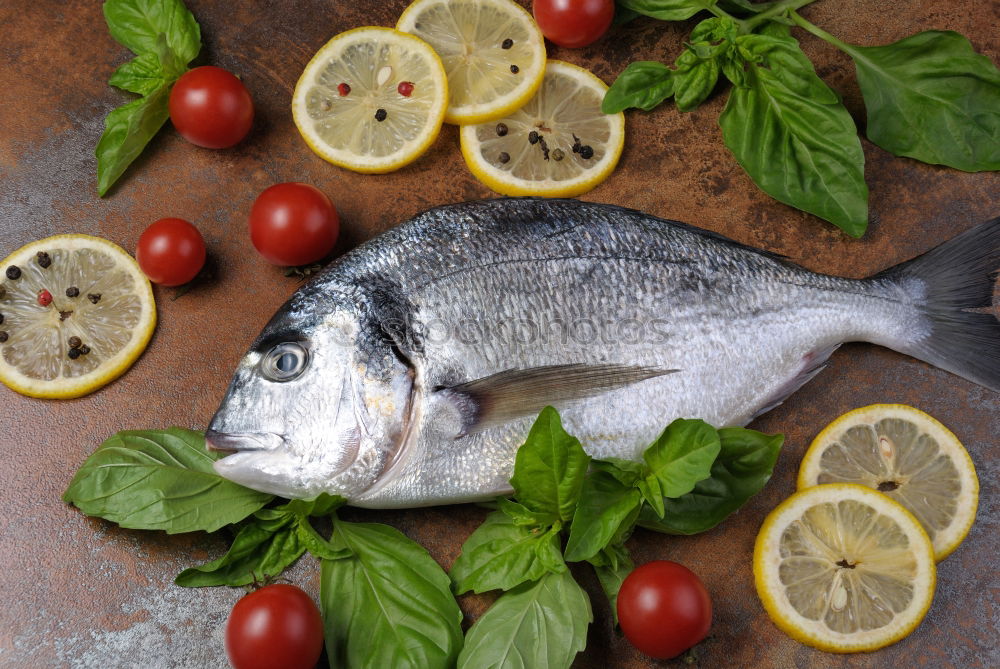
(559, 144)
(492, 50)
(909, 456)
(844, 568)
(371, 99)
(71, 286)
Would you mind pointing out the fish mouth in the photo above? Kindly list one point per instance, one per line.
(242, 441)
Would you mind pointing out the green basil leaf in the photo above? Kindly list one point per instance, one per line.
(321, 505)
(626, 472)
(389, 604)
(137, 24)
(540, 624)
(547, 550)
(744, 465)
(522, 515)
(261, 550)
(613, 555)
(127, 130)
(314, 542)
(549, 468)
(733, 65)
(149, 71)
(643, 84)
(605, 505)
(652, 494)
(775, 28)
(682, 455)
(667, 10)
(734, 68)
(143, 75)
(715, 30)
(744, 6)
(793, 136)
(933, 98)
(694, 79)
(160, 480)
(612, 565)
(500, 555)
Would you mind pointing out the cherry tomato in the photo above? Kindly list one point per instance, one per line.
(276, 626)
(573, 23)
(664, 609)
(210, 107)
(293, 224)
(170, 252)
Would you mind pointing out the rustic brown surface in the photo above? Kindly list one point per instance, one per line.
(81, 592)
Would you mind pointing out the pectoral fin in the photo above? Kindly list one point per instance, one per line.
(514, 393)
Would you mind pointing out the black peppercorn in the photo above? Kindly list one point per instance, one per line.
(74, 353)
(586, 152)
(75, 342)
(501, 129)
(72, 291)
(507, 43)
(504, 157)
(514, 69)
(380, 115)
(84, 350)
(533, 137)
(43, 259)
(13, 272)
(3, 336)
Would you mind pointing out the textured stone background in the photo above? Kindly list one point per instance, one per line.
(80, 592)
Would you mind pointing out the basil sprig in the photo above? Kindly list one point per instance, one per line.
(271, 541)
(165, 37)
(689, 479)
(929, 97)
(378, 584)
(793, 136)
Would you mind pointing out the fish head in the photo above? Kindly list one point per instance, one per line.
(320, 403)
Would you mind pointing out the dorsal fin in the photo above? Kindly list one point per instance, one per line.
(514, 393)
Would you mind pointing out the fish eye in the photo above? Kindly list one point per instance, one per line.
(284, 362)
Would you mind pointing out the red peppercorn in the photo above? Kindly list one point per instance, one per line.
(343, 89)
(44, 298)
(405, 88)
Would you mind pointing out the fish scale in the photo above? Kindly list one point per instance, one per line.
(459, 325)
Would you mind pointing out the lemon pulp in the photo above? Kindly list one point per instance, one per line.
(112, 314)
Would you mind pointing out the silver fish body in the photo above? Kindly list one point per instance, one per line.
(413, 366)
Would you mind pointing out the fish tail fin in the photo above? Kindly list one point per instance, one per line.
(957, 282)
